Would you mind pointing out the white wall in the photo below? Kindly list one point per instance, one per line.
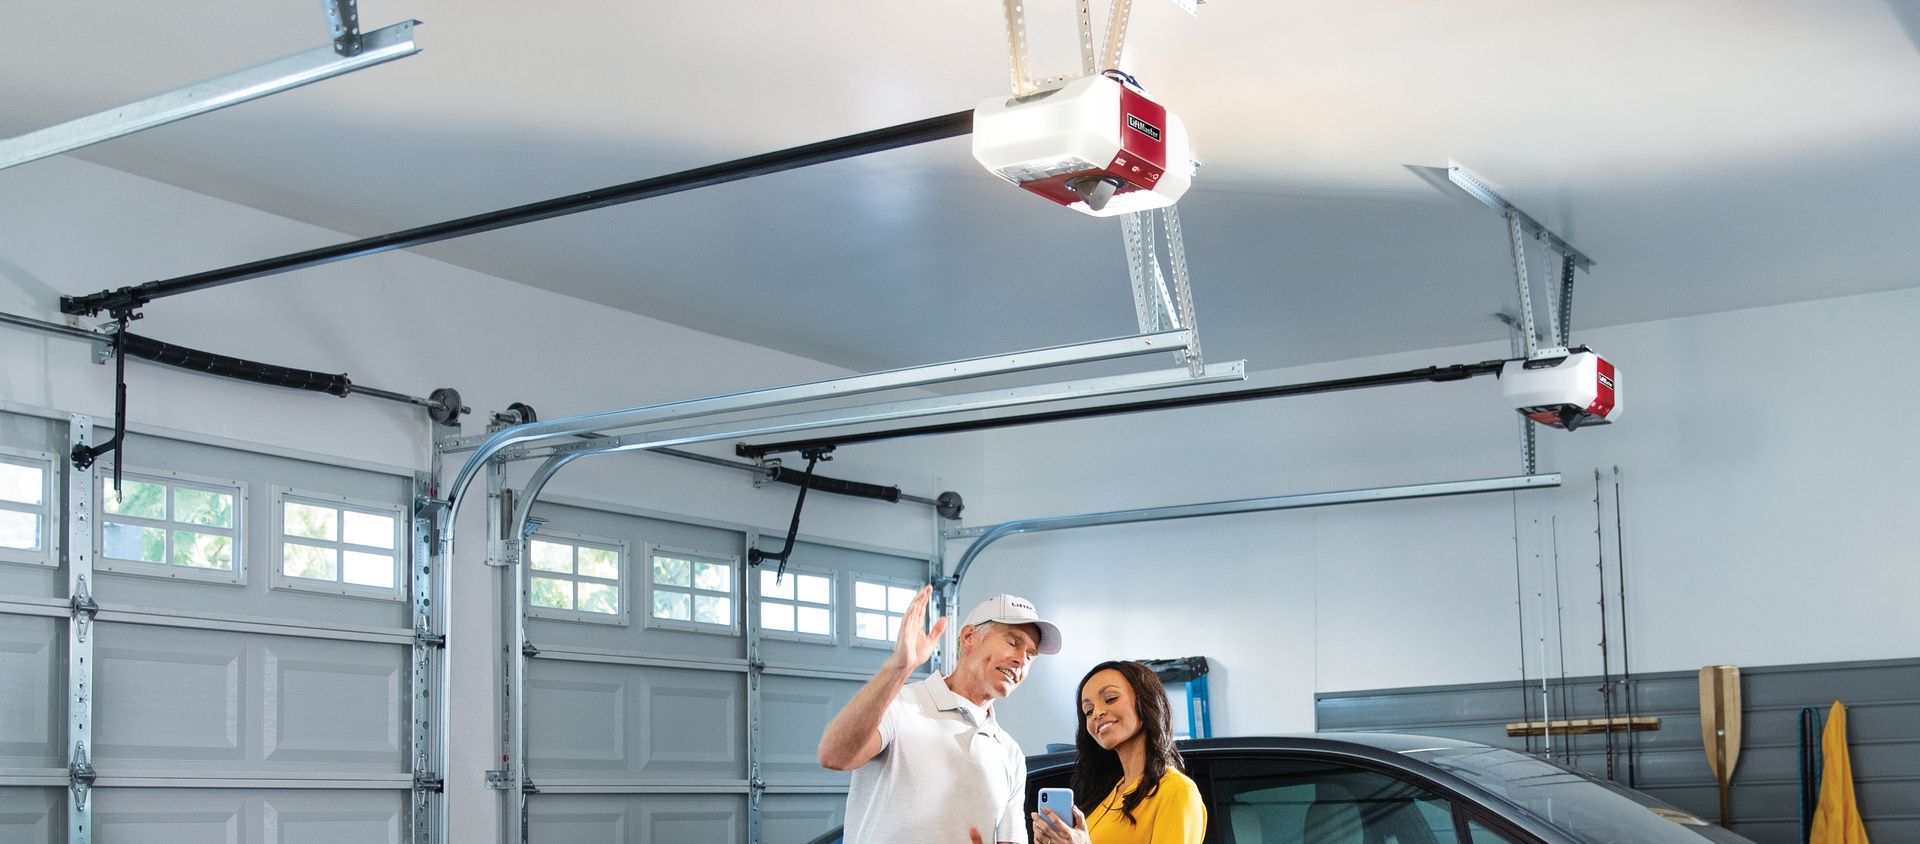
(1765, 458)
(408, 324)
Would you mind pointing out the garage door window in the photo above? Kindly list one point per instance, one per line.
(878, 606)
(26, 507)
(797, 605)
(172, 525)
(690, 590)
(576, 578)
(327, 543)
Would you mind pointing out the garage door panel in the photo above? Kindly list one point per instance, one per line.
(577, 718)
(177, 699)
(847, 565)
(33, 665)
(33, 581)
(347, 817)
(592, 720)
(167, 816)
(797, 710)
(167, 695)
(634, 819)
(333, 703)
(33, 815)
(237, 816)
(800, 817)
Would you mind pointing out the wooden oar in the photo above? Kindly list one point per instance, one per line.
(1720, 728)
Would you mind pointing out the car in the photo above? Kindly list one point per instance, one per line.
(1390, 788)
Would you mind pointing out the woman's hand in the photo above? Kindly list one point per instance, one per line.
(1049, 828)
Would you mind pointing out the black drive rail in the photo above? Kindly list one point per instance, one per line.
(1454, 372)
(878, 140)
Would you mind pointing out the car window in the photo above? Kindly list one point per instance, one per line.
(1264, 801)
(1579, 804)
(1481, 835)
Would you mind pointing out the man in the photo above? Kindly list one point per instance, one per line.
(929, 760)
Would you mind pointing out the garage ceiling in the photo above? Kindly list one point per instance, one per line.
(1708, 155)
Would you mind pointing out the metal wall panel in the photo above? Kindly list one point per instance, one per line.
(32, 815)
(211, 701)
(800, 817)
(1883, 721)
(33, 663)
(625, 722)
(239, 816)
(637, 819)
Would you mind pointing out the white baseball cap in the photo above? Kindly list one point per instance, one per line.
(1013, 609)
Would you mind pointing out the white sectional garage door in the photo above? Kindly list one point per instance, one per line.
(251, 653)
(688, 707)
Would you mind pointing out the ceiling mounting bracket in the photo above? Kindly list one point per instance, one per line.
(1558, 309)
(343, 17)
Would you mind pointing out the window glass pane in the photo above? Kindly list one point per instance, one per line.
(776, 586)
(548, 592)
(19, 483)
(893, 628)
(310, 522)
(869, 596)
(674, 605)
(19, 530)
(1311, 800)
(814, 589)
(136, 498)
(364, 569)
(600, 562)
(200, 507)
(816, 620)
(776, 616)
(713, 577)
(551, 556)
(132, 542)
(868, 625)
(671, 572)
(202, 550)
(708, 609)
(308, 561)
(599, 597)
(899, 599)
(370, 529)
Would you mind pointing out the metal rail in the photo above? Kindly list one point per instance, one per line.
(849, 146)
(303, 68)
(920, 376)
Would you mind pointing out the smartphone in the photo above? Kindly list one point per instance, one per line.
(1060, 800)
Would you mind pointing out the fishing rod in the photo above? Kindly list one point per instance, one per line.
(1626, 654)
(1606, 661)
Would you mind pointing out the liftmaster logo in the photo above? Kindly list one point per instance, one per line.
(1143, 127)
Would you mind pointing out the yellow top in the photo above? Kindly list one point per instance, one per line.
(1173, 815)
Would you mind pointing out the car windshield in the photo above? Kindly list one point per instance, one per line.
(1591, 809)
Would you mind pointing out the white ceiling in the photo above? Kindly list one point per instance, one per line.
(1708, 155)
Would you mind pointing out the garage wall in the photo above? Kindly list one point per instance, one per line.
(1762, 457)
(405, 323)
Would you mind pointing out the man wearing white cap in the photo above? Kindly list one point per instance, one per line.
(929, 759)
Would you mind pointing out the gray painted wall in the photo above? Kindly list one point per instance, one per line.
(1883, 727)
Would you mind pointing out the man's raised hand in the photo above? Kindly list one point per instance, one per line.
(916, 643)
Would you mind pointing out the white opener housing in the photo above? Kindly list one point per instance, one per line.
(1581, 388)
(1095, 145)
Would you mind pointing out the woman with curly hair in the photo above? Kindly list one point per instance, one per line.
(1128, 786)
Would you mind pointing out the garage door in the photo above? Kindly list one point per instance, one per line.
(250, 655)
(676, 694)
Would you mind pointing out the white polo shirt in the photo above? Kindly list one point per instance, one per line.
(944, 765)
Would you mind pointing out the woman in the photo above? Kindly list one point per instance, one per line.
(1128, 787)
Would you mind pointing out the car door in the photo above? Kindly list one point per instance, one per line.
(1294, 799)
